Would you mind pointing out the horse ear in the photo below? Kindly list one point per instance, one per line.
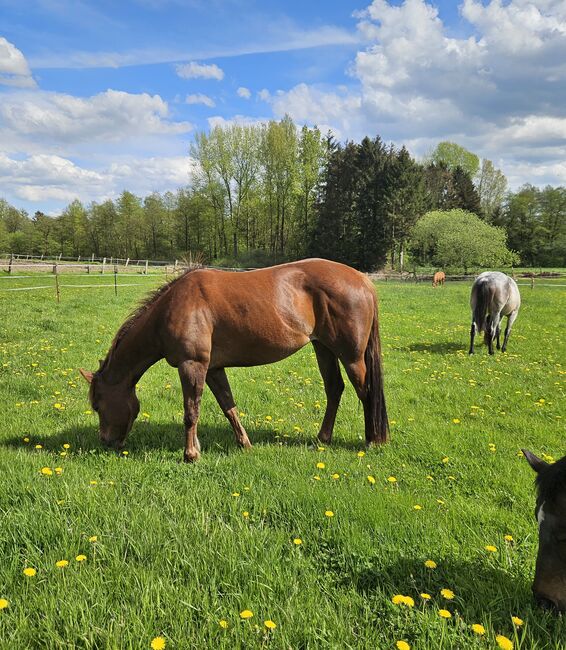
(86, 374)
(534, 461)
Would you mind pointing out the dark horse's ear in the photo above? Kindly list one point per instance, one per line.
(86, 374)
(534, 461)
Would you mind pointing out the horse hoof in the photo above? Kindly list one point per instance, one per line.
(191, 457)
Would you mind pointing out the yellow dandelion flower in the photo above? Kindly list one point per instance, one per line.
(444, 613)
(61, 564)
(371, 479)
(297, 541)
(517, 621)
(39, 446)
(392, 479)
(425, 596)
(478, 629)
(235, 494)
(268, 418)
(445, 459)
(456, 421)
(417, 507)
(66, 446)
(246, 614)
(47, 471)
(93, 538)
(223, 624)
(402, 645)
(59, 470)
(430, 564)
(447, 593)
(29, 572)
(399, 599)
(316, 478)
(125, 452)
(335, 476)
(320, 466)
(158, 643)
(361, 454)
(26, 439)
(80, 558)
(269, 624)
(4, 603)
(491, 549)
(503, 642)
(245, 514)
(329, 513)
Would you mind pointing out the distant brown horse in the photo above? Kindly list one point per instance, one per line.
(439, 278)
(207, 320)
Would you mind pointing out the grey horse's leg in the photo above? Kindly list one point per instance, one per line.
(472, 335)
(510, 320)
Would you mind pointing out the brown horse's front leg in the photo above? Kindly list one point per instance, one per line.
(193, 376)
(218, 383)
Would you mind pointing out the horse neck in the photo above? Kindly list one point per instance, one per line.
(136, 351)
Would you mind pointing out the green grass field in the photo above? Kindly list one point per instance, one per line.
(173, 550)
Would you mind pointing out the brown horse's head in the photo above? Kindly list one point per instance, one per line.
(549, 586)
(117, 407)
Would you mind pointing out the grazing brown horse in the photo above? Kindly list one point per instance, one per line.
(207, 320)
(438, 278)
(549, 586)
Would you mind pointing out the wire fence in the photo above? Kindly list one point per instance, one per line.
(30, 267)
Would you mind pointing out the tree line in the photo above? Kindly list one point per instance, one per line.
(273, 192)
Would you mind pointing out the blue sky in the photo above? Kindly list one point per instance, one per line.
(96, 97)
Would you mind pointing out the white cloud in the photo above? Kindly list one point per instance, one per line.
(243, 92)
(243, 120)
(42, 178)
(199, 70)
(109, 116)
(501, 91)
(14, 69)
(200, 99)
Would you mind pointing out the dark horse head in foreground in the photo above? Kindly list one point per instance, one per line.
(207, 320)
(549, 586)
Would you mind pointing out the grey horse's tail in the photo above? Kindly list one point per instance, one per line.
(484, 295)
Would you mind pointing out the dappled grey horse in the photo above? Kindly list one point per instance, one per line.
(494, 295)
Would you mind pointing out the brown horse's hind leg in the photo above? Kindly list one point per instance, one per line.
(193, 375)
(333, 387)
(218, 383)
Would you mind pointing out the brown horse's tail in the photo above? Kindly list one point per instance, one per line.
(377, 424)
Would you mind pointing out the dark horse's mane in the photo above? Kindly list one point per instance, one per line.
(144, 306)
(551, 480)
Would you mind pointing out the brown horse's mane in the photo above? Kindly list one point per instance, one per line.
(551, 480)
(147, 303)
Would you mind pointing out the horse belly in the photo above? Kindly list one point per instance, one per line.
(254, 351)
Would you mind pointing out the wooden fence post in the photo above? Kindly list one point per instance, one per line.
(532, 281)
(127, 262)
(146, 266)
(57, 292)
(10, 263)
(115, 279)
(103, 264)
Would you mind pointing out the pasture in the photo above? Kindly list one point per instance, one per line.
(178, 552)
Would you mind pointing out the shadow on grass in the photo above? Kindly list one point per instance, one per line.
(146, 436)
(479, 588)
(436, 348)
